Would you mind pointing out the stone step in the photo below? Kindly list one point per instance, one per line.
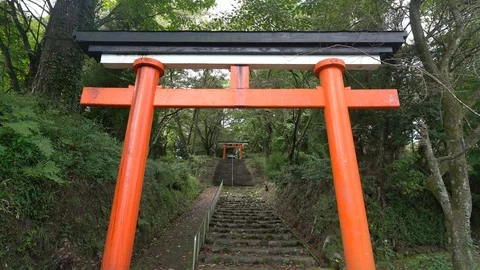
(251, 243)
(241, 200)
(240, 203)
(244, 219)
(242, 208)
(241, 212)
(247, 226)
(257, 251)
(233, 204)
(245, 233)
(247, 221)
(253, 236)
(255, 260)
(227, 203)
(250, 230)
(244, 216)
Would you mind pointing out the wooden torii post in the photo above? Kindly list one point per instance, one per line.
(256, 50)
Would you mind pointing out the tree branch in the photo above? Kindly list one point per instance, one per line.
(50, 6)
(38, 19)
(470, 142)
(458, 33)
(435, 183)
(450, 91)
(9, 66)
(420, 41)
(18, 25)
(472, 139)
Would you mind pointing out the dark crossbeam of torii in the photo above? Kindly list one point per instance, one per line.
(328, 54)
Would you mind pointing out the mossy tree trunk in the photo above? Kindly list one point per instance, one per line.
(60, 68)
(456, 201)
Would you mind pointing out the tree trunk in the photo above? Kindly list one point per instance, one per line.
(268, 138)
(457, 206)
(60, 68)
(456, 211)
(294, 136)
(34, 51)
(10, 68)
(182, 147)
(190, 146)
(461, 241)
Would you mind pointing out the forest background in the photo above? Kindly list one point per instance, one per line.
(420, 164)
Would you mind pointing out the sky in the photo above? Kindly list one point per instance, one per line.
(220, 6)
(224, 6)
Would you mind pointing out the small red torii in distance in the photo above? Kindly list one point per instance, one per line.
(230, 144)
(332, 95)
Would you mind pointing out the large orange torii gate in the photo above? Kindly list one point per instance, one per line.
(328, 54)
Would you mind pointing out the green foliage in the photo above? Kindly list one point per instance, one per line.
(313, 169)
(19, 42)
(26, 156)
(57, 176)
(258, 163)
(168, 194)
(429, 261)
(409, 216)
(275, 163)
(295, 15)
(151, 14)
(405, 223)
(473, 158)
(404, 178)
(326, 216)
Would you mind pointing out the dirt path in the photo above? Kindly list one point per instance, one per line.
(173, 249)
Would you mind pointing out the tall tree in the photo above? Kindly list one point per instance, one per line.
(439, 47)
(209, 127)
(21, 33)
(60, 68)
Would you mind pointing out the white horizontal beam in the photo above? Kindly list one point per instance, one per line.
(305, 62)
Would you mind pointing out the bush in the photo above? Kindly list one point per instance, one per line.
(403, 178)
(432, 261)
(409, 216)
(57, 178)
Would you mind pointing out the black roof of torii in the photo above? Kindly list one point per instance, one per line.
(382, 43)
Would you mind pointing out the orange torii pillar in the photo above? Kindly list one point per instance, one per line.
(332, 95)
(346, 177)
(128, 191)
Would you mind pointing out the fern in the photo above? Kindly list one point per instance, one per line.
(24, 128)
(44, 145)
(48, 170)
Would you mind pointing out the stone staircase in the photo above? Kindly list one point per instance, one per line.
(245, 233)
(241, 175)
